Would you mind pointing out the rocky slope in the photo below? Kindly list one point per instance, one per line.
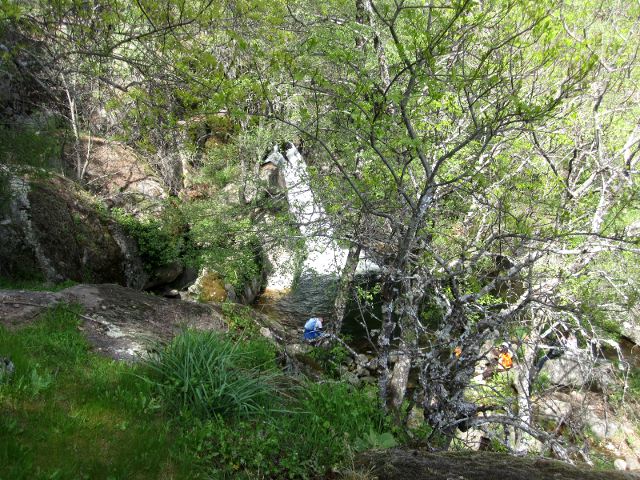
(119, 322)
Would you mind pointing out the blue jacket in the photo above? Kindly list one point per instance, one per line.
(312, 328)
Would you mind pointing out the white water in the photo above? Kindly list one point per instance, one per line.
(324, 256)
(325, 259)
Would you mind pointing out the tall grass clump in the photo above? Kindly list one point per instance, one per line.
(208, 374)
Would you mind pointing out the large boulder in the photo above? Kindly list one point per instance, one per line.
(402, 464)
(54, 230)
(118, 175)
(119, 322)
(577, 369)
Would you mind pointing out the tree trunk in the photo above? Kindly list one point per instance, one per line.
(344, 287)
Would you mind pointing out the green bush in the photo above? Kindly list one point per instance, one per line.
(239, 319)
(157, 244)
(225, 241)
(322, 424)
(34, 145)
(207, 374)
(331, 359)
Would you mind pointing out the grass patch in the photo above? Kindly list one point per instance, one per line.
(207, 374)
(68, 413)
(211, 406)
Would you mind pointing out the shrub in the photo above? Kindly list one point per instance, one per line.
(319, 430)
(207, 374)
(226, 241)
(239, 318)
(157, 246)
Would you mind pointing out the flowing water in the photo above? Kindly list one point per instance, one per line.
(294, 298)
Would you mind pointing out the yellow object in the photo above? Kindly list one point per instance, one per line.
(505, 361)
(457, 351)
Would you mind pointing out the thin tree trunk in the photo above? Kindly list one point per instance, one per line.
(344, 287)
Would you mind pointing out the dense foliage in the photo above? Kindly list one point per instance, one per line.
(483, 153)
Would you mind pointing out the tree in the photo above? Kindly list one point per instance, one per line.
(427, 120)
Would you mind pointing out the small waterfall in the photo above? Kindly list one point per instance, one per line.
(324, 256)
(315, 287)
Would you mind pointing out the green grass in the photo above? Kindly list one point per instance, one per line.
(207, 374)
(68, 413)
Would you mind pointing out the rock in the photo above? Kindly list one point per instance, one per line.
(57, 232)
(171, 293)
(187, 278)
(369, 380)
(411, 464)
(555, 407)
(578, 370)
(620, 464)
(116, 172)
(297, 349)
(362, 359)
(415, 420)
(130, 323)
(602, 428)
(164, 275)
(351, 378)
(266, 333)
(209, 287)
(6, 369)
(631, 330)
(632, 462)
(231, 293)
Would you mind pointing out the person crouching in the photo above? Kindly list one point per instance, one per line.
(313, 328)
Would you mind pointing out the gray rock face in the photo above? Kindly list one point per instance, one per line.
(579, 370)
(119, 322)
(52, 230)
